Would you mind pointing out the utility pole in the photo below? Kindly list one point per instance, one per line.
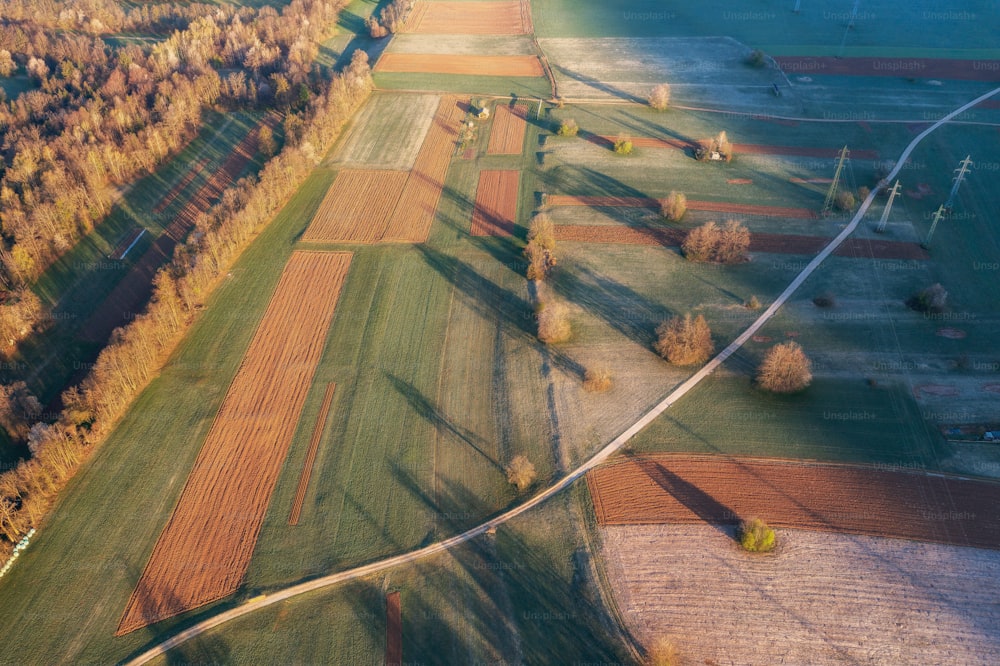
(885, 211)
(963, 169)
(938, 215)
(831, 194)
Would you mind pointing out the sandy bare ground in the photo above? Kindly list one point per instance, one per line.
(819, 599)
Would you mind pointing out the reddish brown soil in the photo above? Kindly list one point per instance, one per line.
(936, 389)
(920, 68)
(205, 548)
(411, 222)
(131, 294)
(496, 203)
(317, 434)
(761, 338)
(490, 17)
(857, 500)
(708, 206)
(826, 181)
(952, 333)
(393, 630)
(357, 207)
(507, 135)
(169, 197)
(472, 65)
(739, 181)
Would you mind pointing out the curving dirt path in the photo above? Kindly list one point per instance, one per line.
(568, 480)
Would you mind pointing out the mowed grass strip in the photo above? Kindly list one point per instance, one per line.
(205, 548)
(496, 203)
(507, 135)
(826, 497)
(317, 435)
(478, 65)
(411, 223)
(357, 207)
(491, 17)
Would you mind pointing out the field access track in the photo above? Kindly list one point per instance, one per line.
(495, 211)
(357, 207)
(411, 223)
(490, 17)
(509, 125)
(205, 548)
(825, 497)
(469, 65)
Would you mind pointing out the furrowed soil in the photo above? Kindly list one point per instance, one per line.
(503, 17)
(495, 213)
(205, 548)
(358, 206)
(507, 135)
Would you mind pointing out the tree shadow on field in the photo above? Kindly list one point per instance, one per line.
(598, 85)
(441, 422)
(700, 503)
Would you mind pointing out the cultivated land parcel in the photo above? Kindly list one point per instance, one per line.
(441, 382)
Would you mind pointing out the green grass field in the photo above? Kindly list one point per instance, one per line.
(922, 28)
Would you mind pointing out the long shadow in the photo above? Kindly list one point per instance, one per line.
(433, 414)
(599, 85)
(703, 505)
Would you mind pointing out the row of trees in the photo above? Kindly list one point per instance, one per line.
(137, 351)
(390, 20)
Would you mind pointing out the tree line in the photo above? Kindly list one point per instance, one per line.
(137, 351)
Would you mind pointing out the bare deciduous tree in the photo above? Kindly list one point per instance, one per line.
(785, 369)
(684, 341)
(521, 473)
(674, 206)
(659, 98)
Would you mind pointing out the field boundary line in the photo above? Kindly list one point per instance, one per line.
(568, 480)
(307, 465)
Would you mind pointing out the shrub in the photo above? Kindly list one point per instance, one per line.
(863, 192)
(845, 200)
(931, 299)
(623, 145)
(662, 653)
(674, 206)
(541, 260)
(753, 303)
(785, 369)
(659, 99)
(568, 127)
(597, 380)
(542, 231)
(553, 321)
(756, 58)
(724, 245)
(684, 341)
(825, 300)
(756, 537)
(521, 473)
(375, 29)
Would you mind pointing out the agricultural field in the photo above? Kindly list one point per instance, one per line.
(206, 546)
(488, 17)
(406, 118)
(358, 206)
(821, 598)
(468, 65)
(507, 133)
(496, 204)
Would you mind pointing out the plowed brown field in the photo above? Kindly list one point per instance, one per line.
(826, 497)
(205, 548)
(507, 135)
(393, 630)
(472, 65)
(357, 207)
(857, 248)
(411, 223)
(501, 17)
(496, 203)
(317, 434)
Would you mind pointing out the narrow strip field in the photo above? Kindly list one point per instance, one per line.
(307, 466)
(130, 295)
(393, 630)
(708, 206)
(738, 148)
(835, 498)
(205, 548)
(507, 135)
(857, 248)
(411, 223)
(472, 65)
(923, 68)
(127, 243)
(169, 197)
(491, 17)
(357, 207)
(495, 212)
